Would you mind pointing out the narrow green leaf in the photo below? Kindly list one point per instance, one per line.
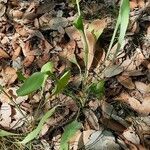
(69, 132)
(6, 133)
(124, 12)
(122, 22)
(48, 67)
(33, 83)
(32, 135)
(97, 89)
(78, 23)
(61, 83)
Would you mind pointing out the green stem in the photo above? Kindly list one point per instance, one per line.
(78, 7)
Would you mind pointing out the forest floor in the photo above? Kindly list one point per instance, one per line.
(35, 32)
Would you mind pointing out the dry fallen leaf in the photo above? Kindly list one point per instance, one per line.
(126, 81)
(133, 4)
(17, 119)
(142, 87)
(28, 60)
(131, 136)
(16, 52)
(142, 107)
(3, 54)
(135, 61)
(100, 140)
(91, 45)
(22, 30)
(73, 33)
(113, 71)
(9, 75)
(5, 113)
(91, 119)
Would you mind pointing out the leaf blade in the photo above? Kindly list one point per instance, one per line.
(69, 131)
(33, 83)
(62, 83)
(6, 133)
(32, 135)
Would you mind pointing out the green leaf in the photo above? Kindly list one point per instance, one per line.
(122, 22)
(69, 132)
(61, 83)
(32, 135)
(124, 12)
(33, 83)
(97, 89)
(48, 67)
(78, 23)
(5, 133)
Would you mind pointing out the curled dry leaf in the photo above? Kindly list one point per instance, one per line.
(126, 81)
(91, 44)
(94, 31)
